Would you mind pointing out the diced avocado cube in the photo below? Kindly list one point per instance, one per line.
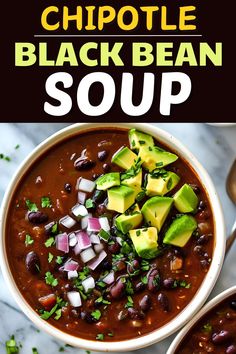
(185, 199)
(137, 139)
(128, 221)
(154, 157)
(161, 183)
(145, 242)
(134, 182)
(156, 209)
(180, 231)
(124, 157)
(108, 180)
(120, 198)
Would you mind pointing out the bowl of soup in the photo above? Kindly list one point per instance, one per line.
(112, 237)
(212, 330)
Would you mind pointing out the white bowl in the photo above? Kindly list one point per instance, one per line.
(201, 295)
(209, 306)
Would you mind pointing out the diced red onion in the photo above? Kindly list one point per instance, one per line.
(77, 250)
(74, 298)
(84, 221)
(98, 248)
(95, 263)
(85, 185)
(62, 242)
(70, 265)
(79, 210)
(83, 240)
(72, 274)
(82, 197)
(119, 240)
(93, 224)
(88, 283)
(87, 255)
(67, 222)
(104, 223)
(109, 278)
(95, 239)
(72, 239)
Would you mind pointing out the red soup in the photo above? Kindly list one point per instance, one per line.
(110, 235)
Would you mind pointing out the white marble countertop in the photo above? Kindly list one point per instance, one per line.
(215, 147)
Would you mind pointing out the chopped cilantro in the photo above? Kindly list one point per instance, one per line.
(159, 164)
(31, 206)
(50, 280)
(4, 157)
(100, 336)
(130, 302)
(169, 184)
(89, 203)
(55, 229)
(138, 233)
(50, 241)
(28, 240)
(145, 265)
(45, 315)
(207, 327)
(61, 349)
(50, 257)
(104, 235)
(35, 351)
(142, 142)
(129, 288)
(101, 284)
(133, 143)
(87, 351)
(125, 249)
(59, 260)
(144, 279)
(110, 334)
(184, 284)
(96, 314)
(58, 314)
(11, 346)
(132, 172)
(101, 300)
(46, 202)
(17, 146)
(140, 196)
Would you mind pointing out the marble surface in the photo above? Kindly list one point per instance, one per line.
(215, 147)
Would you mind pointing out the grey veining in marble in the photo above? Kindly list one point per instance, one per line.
(215, 147)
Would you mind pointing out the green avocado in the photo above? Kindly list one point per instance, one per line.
(108, 180)
(156, 209)
(154, 157)
(124, 158)
(128, 221)
(134, 182)
(120, 198)
(185, 200)
(145, 242)
(161, 182)
(180, 231)
(137, 139)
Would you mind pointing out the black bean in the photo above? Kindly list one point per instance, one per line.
(106, 167)
(98, 196)
(179, 252)
(198, 250)
(221, 337)
(202, 205)
(133, 266)
(120, 265)
(32, 262)
(118, 290)
(203, 239)
(86, 316)
(139, 286)
(164, 302)
(84, 164)
(101, 209)
(75, 313)
(48, 228)
(231, 349)
(145, 303)
(102, 155)
(68, 287)
(37, 217)
(122, 315)
(68, 187)
(114, 248)
(169, 283)
(106, 265)
(233, 304)
(153, 280)
(204, 263)
(135, 314)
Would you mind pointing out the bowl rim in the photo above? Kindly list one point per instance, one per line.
(201, 295)
(206, 308)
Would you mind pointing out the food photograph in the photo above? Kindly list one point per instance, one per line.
(117, 238)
